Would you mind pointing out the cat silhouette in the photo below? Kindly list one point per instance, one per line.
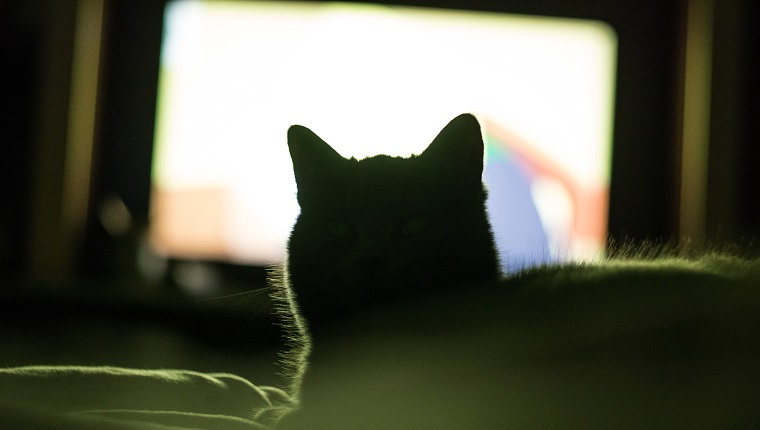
(374, 228)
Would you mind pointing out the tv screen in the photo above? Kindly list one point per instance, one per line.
(373, 79)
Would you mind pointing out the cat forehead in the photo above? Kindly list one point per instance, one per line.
(387, 180)
(388, 170)
(382, 160)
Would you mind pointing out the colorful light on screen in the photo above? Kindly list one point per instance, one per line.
(375, 79)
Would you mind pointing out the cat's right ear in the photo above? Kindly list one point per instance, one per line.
(310, 154)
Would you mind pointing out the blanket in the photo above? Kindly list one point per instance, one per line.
(54, 397)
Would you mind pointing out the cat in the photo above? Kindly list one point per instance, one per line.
(398, 316)
(384, 222)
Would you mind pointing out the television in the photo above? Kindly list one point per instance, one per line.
(374, 79)
(576, 101)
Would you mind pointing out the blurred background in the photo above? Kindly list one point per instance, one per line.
(82, 282)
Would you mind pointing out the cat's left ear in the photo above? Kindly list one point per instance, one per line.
(309, 153)
(459, 145)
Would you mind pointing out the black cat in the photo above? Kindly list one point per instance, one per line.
(383, 226)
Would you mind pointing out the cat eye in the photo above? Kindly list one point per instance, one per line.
(340, 230)
(413, 226)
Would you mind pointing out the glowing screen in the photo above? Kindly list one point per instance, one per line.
(373, 79)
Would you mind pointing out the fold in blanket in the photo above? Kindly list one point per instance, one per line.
(117, 398)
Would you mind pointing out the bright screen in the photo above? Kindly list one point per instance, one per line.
(373, 79)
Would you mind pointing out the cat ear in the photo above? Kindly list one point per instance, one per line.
(459, 145)
(309, 153)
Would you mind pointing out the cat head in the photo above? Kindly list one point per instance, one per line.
(382, 227)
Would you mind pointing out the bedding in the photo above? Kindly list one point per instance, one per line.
(72, 397)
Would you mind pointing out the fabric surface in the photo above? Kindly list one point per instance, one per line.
(43, 397)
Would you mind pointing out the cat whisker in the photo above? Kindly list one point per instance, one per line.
(246, 294)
